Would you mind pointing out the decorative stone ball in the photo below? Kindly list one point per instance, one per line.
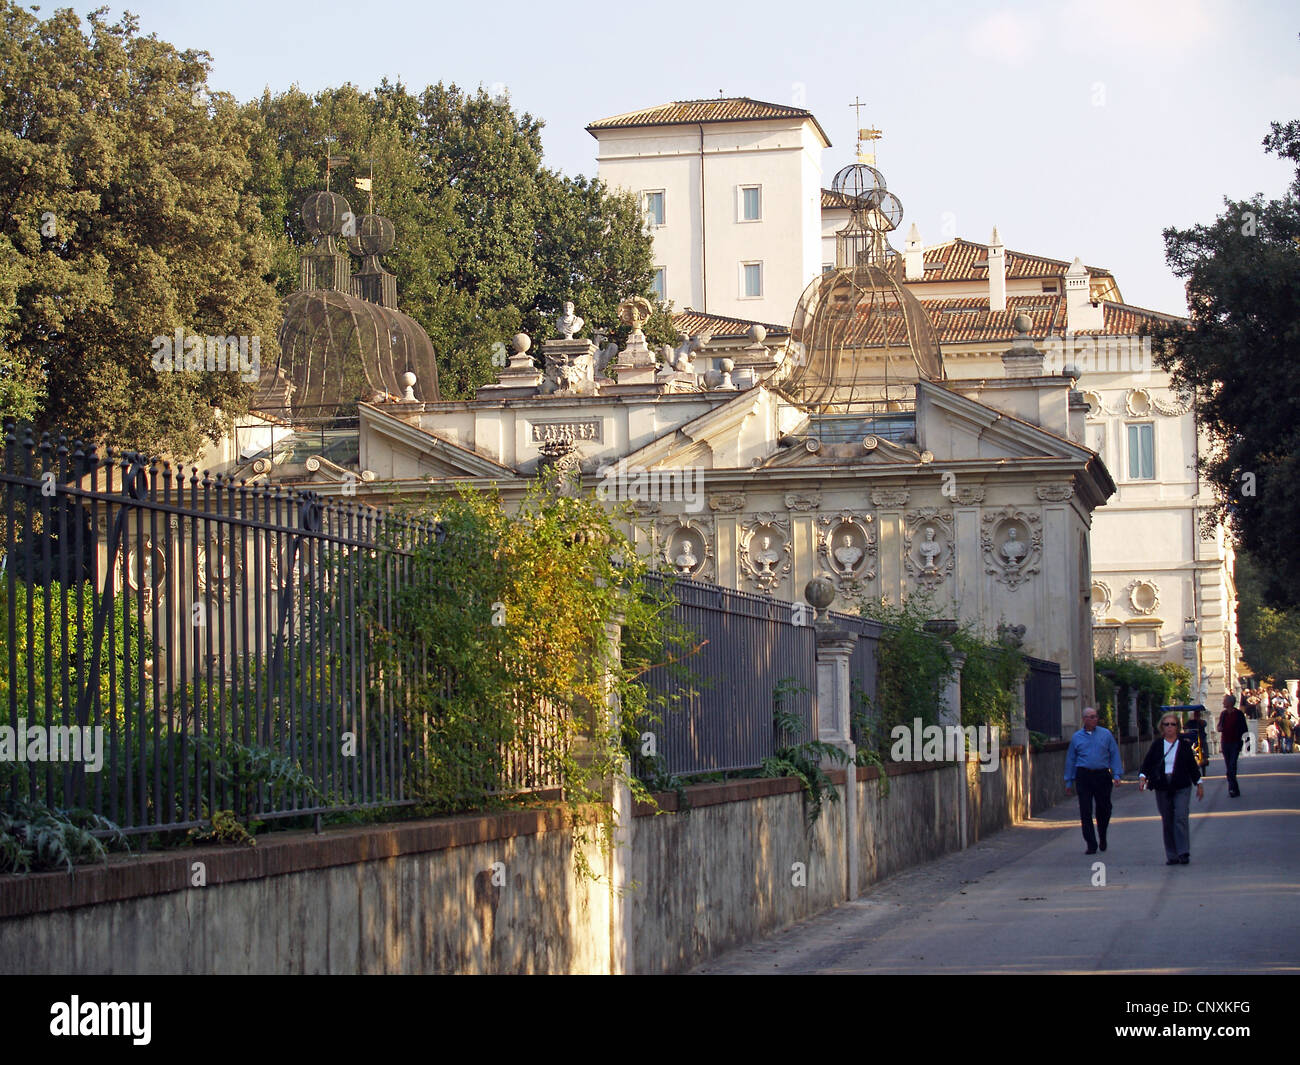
(820, 592)
(1022, 323)
(726, 365)
(521, 342)
(408, 379)
(756, 333)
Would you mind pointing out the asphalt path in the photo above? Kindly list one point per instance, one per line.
(1024, 900)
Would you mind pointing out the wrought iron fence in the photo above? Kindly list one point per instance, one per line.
(750, 645)
(1043, 697)
(175, 643)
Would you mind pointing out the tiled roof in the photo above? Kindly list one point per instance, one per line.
(965, 260)
(968, 321)
(693, 112)
(1125, 320)
(692, 323)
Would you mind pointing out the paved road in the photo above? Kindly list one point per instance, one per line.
(1023, 901)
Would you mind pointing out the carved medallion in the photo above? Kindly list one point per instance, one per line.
(803, 501)
(847, 544)
(969, 496)
(684, 545)
(766, 553)
(1143, 596)
(1054, 493)
(1013, 546)
(928, 546)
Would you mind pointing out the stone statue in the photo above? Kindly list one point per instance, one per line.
(929, 548)
(1013, 550)
(847, 554)
(767, 558)
(686, 560)
(568, 323)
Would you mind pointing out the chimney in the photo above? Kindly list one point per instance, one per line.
(1082, 314)
(914, 256)
(997, 273)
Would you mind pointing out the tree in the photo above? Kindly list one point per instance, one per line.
(124, 219)
(489, 241)
(1270, 638)
(1240, 357)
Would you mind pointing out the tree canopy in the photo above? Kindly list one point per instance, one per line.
(1241, 354)
(125, 218)
(1270, 638)
(139, 203)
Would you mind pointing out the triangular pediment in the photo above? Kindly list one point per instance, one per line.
(435, 455)
(954, 427)
(730, 435)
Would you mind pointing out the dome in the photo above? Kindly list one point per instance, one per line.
(337, 349)
(858, 337)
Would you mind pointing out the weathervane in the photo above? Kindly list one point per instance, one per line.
(864, 134)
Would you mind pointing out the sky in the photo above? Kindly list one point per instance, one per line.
(1078, 127)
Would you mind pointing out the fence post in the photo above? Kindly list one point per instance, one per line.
(834, 650)
(620, 801)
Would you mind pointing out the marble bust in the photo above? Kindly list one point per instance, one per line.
(847, 554)
(929, 548)
(1013, 550)
(686, 560)
(767, 557)
(568, 323)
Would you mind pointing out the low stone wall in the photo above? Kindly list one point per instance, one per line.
(1047, 776)
(501, 892)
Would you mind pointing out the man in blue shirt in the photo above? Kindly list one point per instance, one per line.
(1092, 765)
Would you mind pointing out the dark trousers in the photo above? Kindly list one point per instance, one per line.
(1175, 809)
(1231, 752)
(1093, 785)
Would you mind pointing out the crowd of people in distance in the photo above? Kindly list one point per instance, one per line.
(1281, 731)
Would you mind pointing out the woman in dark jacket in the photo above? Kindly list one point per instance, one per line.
(1170, 770)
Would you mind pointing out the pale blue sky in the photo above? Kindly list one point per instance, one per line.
(1080, 127)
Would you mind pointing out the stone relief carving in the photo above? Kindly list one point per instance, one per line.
(727, 501)
(1137, 402)
(1180, 405)
(766, 553)
(969, 496)
(847, 544)
(220, 569)
(1143, 596)
(1054, 493)
(889, 497)
(685, 546)
(1012, 544)
(803, 500)
(1101, 598)
(928, 554)
(1096, 405)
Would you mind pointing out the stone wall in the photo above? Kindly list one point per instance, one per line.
(501, 892)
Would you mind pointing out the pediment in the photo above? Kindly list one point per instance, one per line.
(955, 427)
(436, 456)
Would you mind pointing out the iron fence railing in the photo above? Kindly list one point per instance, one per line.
(1043, 697)
(175, 643)
(722, 719)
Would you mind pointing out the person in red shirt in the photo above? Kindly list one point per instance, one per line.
(1232, 727)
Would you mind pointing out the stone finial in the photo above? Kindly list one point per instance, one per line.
(726, 366)
(820, 593)
(1022, 359)
(408, 383)
(568, 323)
(634, 311)
(520, 360)
(756, 333)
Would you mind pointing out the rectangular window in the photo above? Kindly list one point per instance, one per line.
(751, 280)
(827, 267)
(1142, 452)
(654, 207)
(751, 203)
(660, 283)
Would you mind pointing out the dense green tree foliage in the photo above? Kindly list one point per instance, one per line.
(125, 218)
(1270, 638)
(136, 203)
(1242, 356)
